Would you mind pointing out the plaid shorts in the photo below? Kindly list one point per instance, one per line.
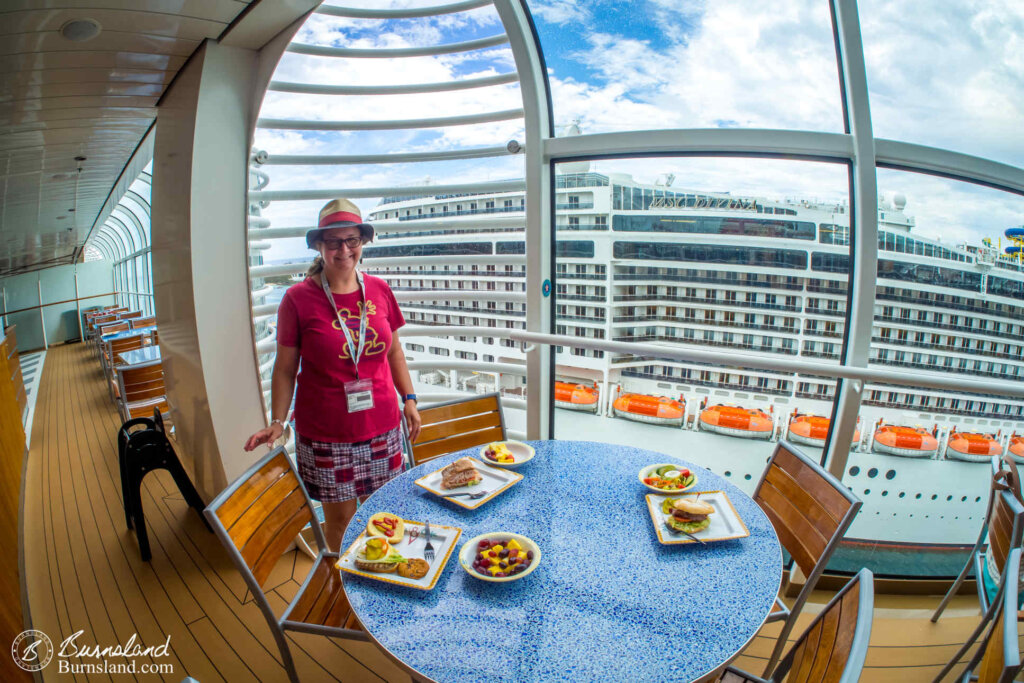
(335, 472)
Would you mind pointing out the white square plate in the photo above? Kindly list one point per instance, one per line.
(443, 538)
(725, 522)
(494, 480)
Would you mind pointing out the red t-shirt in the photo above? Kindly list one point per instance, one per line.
(305, 321)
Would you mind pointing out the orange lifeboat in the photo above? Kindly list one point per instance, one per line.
(812, 430)
(737, 421)
(650, 409)
(1017, 448)
(575, 396)
(972, 447)
(910, 442)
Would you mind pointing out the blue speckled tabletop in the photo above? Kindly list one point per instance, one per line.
(606, 603)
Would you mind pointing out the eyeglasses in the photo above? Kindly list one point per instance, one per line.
(350, 242)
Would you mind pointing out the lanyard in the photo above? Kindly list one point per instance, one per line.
(353, 352)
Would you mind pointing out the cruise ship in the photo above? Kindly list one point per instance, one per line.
(158, 161)
(650, 263)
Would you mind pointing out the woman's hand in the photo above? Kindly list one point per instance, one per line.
(268, 435)
(412, 418)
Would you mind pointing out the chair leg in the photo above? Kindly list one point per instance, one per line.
(138, 516)
(188, 490)
(953, 589)
(125, 489)
(973, 637)
(286, 655)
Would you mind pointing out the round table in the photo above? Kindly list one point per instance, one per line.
(607, 602)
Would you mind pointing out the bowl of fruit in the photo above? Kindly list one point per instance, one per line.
(507, 453)
(499, 556)
(666, 477)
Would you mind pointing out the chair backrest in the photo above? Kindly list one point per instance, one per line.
(141, 382)
(1005, 524)
(999, 653)
(835, 645)
(116, 346)
(455, 425)
(114, 327)
(143, 322)
(809, 508)
(261, 512)
(129, 315)
(102, 320)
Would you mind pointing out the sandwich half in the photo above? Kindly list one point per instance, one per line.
(462, 472)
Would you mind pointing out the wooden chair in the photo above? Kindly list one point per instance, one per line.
(811, 511)
(111, 328)
(998, 659)
(1004, 526)
(835, 645)
(1005, 477)
(138, 323)
(140, 390)
(129, 315)
(111, 358)
(455, 425)
(257, 518)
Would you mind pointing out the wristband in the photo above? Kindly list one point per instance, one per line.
(277, 421)
(409, 397)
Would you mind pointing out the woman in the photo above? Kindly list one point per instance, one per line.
(347, 420)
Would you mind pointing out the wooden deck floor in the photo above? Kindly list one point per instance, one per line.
(84, 573)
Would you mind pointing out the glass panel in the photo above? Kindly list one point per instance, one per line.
(619, 66)
(949, 302)
(702, 254)
(946, 74)
(425, 242)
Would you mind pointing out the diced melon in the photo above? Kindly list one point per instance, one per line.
(494, 569)
(494, 560)
(497, 548)
(513, 544)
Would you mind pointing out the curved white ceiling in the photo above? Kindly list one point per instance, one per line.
(61, 99)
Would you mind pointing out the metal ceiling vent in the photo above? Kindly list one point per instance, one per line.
(80, 30)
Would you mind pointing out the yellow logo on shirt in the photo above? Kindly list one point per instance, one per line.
(373, 344)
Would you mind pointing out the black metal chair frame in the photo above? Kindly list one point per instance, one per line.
(140, 452)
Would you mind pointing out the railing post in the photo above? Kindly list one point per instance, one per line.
(42, 320)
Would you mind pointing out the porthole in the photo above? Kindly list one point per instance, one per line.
(728, 473)
(885, 493)
(964, 499)
(890, 475)
(902, 493)
(949, 498)
(873, 472)
(747, 477)
(867, 492)
(917, 497)
(854, 471)
(934, 496)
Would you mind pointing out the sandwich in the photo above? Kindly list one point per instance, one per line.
(377, 555)
(459, 473)
(689, 515)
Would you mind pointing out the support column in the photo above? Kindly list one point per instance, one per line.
(200, 283)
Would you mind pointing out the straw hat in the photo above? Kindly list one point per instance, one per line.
(339, 213)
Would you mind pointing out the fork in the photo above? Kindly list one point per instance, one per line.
(470, 496)
(428, 549)
(677, 532)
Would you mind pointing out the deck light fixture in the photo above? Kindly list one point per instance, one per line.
(80, 30)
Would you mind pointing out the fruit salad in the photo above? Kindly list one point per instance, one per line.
(668, 478)
(501, 558)
(499, 452)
